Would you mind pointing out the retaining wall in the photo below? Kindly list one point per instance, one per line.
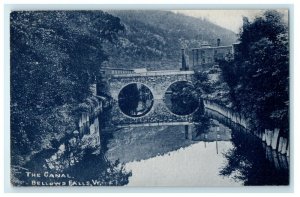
(272, 138)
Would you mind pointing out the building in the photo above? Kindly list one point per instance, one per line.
(206, 55)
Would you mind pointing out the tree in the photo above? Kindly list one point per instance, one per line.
(259, 74)
(129, 98)
(55, 56)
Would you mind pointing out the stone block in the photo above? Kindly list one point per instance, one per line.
(275, 139)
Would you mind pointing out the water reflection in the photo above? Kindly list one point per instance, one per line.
(181, 98)
(195, 165)
(208, 152)
(135, 100)
(145, 142)
(179, 155)
(248, 162)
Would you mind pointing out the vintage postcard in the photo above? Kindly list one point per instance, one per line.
(149, 98)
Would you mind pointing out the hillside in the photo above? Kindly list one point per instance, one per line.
(153, 39)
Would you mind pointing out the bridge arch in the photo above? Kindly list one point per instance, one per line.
(134, 117)
(173, 82)
(133, 82)
(189, 82)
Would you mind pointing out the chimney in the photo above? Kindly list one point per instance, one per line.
(183, 62)
(218, 42)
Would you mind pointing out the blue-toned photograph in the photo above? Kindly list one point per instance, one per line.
(150, 98)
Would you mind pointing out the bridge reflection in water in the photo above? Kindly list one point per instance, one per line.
(221, 150)
(134, 141)
(140, 142)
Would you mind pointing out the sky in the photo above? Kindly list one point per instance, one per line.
(229, 19)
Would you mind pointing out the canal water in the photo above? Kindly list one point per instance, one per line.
(193, 155)
(209, 150)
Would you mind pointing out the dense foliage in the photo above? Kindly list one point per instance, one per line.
(55, 56)
(258, 76)
(184, 98)
(129, 99)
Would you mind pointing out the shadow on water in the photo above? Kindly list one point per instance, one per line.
(250, 160)
(247, 162)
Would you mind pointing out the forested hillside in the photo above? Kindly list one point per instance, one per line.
(153, 39)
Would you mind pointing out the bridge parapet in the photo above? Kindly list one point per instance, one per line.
(155, 73)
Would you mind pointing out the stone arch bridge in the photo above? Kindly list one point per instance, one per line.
(158, 82)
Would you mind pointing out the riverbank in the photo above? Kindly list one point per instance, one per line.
(273, 138)
(72, 126)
